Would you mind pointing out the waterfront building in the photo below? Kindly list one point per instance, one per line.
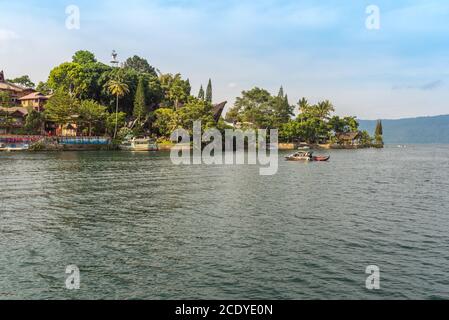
(35, 100)
(350, 138)
(12, 119)
(15, 90)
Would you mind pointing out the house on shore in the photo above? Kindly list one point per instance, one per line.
(352, 139)
(13, 89)
(12, 119)
(35, 100)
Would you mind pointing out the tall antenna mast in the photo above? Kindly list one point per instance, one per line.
(114, 61)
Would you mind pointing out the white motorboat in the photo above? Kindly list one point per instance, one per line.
(139, 145)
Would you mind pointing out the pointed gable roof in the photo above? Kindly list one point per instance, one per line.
(34, 96)
(218, 110)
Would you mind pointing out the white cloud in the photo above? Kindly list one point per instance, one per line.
(7, 35)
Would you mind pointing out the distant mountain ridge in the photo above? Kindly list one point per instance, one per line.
(412, 130)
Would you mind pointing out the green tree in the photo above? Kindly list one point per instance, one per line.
(254, 106)
(352, 125)
(24, 81)
(343, 125)
(6, 103)
(114, 121)
(304, 105)
(5, 99)
(259, 107)
(312, 129)
(366, 138)
(337, 125)
(379, 128)
(324, 109)
(43, 88)
(196, 110)
(84, 57)
(34, 123)
(61, 108)
(283, 111)
(140, 65)
(91, 113)
(140, 106)
(118, 88)
(176, 90)
(281, 93)
(83, 77)
(201, 93)
(378, 135)
(166, 122)
(289, 131)
(209, 92)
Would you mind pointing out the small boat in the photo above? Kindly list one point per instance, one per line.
(321, 158)
(306, 156)
(15, 147)
(139, 145)
(300, 156)
(304, 147)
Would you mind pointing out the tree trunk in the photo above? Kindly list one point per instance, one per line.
(116, 119)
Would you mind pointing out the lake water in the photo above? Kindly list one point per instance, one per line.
(139, 227)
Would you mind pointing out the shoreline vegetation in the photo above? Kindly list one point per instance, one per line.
(89, 100)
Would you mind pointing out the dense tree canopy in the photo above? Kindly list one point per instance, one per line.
(24, 81)
(91, 114)
(201, 93)
(176, 90)
(261, 109)
(34, 122)
(84, 57)
(139, 65)
(82, 77)
(62, 108)
(140, 104)
(209, 92)
(106, 98)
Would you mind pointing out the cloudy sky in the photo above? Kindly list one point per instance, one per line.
(317, 49)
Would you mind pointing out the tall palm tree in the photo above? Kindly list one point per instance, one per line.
(118, 88)
(303, 105)
(324, 109)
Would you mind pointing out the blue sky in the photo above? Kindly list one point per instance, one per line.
(316, 49)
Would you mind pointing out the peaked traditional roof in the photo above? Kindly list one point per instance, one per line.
(218, 110)
(21, 110)
(34, 96)
(348, 136)
(10, 86)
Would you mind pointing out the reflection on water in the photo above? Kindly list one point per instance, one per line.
(139, 227)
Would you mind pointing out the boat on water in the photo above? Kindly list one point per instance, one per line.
(139, 145)
(306, 156)
(14, 147)
(304, 147)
